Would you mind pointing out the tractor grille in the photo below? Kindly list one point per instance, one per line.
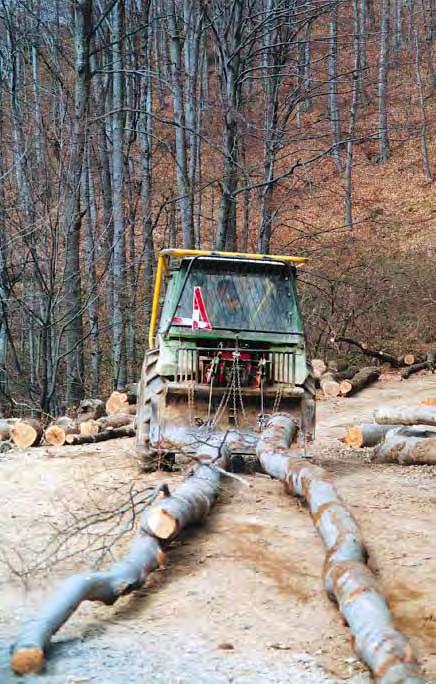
(191, 364)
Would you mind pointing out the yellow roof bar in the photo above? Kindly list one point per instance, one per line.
(162, 264)
(180, 253)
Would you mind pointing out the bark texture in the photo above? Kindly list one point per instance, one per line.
(362, 379)
(408, 446)
(405, 415)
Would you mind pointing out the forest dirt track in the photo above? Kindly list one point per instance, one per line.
(241, 599)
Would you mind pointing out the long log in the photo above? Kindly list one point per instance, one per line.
(362, 379)
(382, 356)
(26, 433)
(407, 446)
(347, 578)
(345, 374)
(366, 435)
(145, 555)
(114, 433)
(90, 427)
(405, 415)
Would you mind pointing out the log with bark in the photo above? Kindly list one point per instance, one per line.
(57, 432)
(414, 445)
(26, 433)
(366, 435)
(189, 504)
(384, 357)
(410, 370)
(90, 409)
(119, 402)
(362, 379)
(115, 421)
(5, 427)
(115, 433)
(405, 415)
(347, 578)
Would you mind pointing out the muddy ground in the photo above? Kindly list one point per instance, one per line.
(241, 599)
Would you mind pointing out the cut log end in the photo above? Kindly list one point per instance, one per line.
(55, 435)
(354, 437)
(27, 660)
(26, 434)
(117, 402)
(429, 402)
(161, 524)
(345, 387)
(409, 359)
(89, 427)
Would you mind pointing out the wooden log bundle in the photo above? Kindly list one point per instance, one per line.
(348, 580)
(414, 445)
(145, 554)
(26, 433)
(366, 435)
(405, 415)
(362, 379)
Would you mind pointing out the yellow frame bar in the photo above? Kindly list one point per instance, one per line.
(162, 264)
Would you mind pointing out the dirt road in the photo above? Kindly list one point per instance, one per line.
(241, 600)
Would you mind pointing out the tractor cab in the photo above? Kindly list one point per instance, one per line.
(229, 349)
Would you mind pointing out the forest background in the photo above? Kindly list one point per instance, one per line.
(285, 126)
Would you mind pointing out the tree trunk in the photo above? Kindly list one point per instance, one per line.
(333, 105)
(362, 379)
(347, 578)
(366, 435)
(424, 134)
(119, 368)
(384, 145)
(73, 216)
(26, 433)
(405, 415)
(407, 446)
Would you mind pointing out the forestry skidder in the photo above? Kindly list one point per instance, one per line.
(229, 353)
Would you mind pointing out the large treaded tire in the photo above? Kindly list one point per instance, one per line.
(150, 387)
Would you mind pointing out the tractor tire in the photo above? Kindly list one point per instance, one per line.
(150, 387)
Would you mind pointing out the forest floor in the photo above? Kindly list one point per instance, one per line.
(241, 599)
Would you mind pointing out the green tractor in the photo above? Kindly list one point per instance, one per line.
(229, 352)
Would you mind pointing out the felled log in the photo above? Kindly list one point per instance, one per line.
(116, 421)
(26, 433)
(329, 385)
(347, 578)
(89, 427)
(145, 554)
(319, 367)
(407, 446)
(345, 374)
(115, 433)
(362, 379)
(405, 415)
(366, 435)
(382, 356)
(407, 372)
(119, 402)
(90, 409)
(56, 433)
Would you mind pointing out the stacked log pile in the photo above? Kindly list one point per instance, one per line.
(342, 381)
(94, 421)
(404, 435)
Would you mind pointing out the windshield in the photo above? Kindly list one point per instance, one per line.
(256, 298)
